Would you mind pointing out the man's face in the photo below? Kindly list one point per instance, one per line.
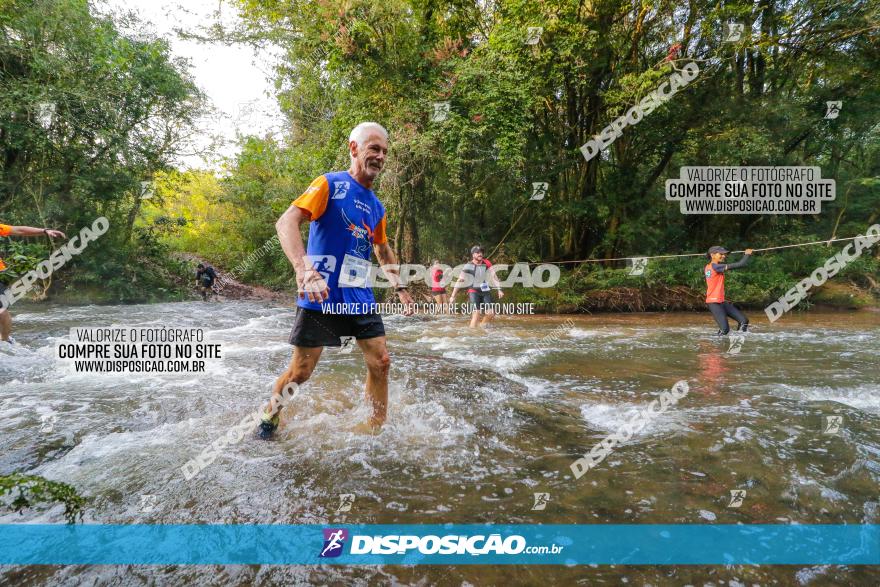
(478, 257)
(371, 154)
(719, 257)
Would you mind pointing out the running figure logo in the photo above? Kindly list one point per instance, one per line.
(346, 344)
(46, 114)
(323, 264)
(149, 503)
(833, 109)
(737, 496)
(639, 264)
(733, 32)
(539, 190)
(48, 421)
(541, 501)
(346, 500)
(340, 189)
(533, 35)
(831, 424)
(146, 190)
(441, 111)
(736, 343)
(334, 541)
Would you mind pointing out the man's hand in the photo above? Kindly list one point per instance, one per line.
(311, 283)
(55, 233)
(749, 251)
(407, 301)
(500, 294)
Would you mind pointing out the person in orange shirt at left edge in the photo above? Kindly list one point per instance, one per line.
(7, 230)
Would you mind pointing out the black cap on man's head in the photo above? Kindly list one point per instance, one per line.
(717, 249)
(476, 249)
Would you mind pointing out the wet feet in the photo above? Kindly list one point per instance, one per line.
(268, 426)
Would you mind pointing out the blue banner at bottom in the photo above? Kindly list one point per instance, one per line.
(443, 544)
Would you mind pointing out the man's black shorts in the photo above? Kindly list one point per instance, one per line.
(314, 328)
(480, 299)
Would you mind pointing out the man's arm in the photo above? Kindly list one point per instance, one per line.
(31, 231)
(309, 281)
(388, 262)
(493, 280)
(459, 284)
(739, 264)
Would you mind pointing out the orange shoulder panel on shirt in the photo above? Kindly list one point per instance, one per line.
(5, 230)
(314, 199)
(379, 233)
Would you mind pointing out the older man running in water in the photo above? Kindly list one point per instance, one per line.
(335, 300)
(7, 230)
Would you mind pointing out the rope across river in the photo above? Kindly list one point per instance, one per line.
(822, 242)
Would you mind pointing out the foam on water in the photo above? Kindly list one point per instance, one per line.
(477, 420)
(862, 397)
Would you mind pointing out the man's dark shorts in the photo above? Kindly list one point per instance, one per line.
(479, 299)
(314, 328)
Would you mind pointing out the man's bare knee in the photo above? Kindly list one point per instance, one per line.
(297, 375)
(380, 365)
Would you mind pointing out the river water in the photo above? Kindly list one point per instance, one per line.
(478, 423)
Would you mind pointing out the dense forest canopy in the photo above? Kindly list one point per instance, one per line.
(519, 113)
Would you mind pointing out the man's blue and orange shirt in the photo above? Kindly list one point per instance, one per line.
(347, 219)
(5, 230)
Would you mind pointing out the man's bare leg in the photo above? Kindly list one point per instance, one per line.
(378, 365)
(5, 325)
(488, 318)
(300, 369)
(475, 318)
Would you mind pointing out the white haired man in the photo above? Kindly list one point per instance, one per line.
(335, 300)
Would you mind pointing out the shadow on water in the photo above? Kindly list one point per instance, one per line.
(478, 423)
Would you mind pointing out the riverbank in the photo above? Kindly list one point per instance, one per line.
(664, 287)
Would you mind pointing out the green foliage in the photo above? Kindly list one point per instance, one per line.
(86, 115)
(519, 114)
(32, 490)
(19, 257)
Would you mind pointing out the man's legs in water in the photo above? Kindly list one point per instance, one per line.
(378, 365)
(5, 325)
(475, 318)
(300, 369)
